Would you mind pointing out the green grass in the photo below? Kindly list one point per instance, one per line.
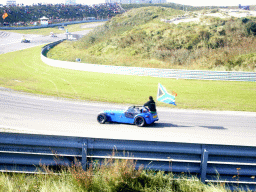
(24, 71)
(46, 31)
(111, 176)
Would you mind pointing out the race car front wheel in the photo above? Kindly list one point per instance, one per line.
(140, 121)
(102, 118)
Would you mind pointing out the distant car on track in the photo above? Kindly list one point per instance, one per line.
(52, 34)
(138, 115)
(25, 41)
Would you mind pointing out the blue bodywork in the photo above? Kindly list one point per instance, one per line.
(129, 116)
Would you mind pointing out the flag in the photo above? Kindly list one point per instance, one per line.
(164, 96)
(4, 15)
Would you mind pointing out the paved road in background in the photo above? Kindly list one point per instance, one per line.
(47, 115)
(10, 41)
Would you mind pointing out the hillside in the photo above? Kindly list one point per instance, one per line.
(167, 5)
(141, 38)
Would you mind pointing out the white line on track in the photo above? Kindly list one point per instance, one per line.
(11, 43)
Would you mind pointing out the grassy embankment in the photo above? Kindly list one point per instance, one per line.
(23, 70)
(139, 38)
(111, 176)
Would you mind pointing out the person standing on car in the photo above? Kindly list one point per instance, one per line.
(151, 105)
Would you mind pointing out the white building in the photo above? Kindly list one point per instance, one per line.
(44, 20)
(11, 2)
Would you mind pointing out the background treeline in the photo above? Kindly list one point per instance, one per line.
(27, 14)
(167, 5)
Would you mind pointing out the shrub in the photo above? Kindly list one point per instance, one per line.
(251, 28)
(216, 42)
(245, 20)
(204, 35)
(247, 61)
(162, 54)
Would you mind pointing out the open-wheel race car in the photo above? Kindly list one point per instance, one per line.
(25, 41)
(52, 34)
(138, 115)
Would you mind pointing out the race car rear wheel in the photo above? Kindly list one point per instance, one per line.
(140, 121)
(102, 118)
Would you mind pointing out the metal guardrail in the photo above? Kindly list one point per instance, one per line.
(47, 47)
(212, 163)
(154, 72)
(51, 25)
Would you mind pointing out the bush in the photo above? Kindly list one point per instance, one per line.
(204, 35)
(251, 28)
(247, 61)
(245, 20)
(216, 42)
(161, 54)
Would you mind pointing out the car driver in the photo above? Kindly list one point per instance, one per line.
(151, 105)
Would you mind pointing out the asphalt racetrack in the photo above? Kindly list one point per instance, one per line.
(21, 112)
(10, 41)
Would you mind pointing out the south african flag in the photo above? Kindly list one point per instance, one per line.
(164, 96)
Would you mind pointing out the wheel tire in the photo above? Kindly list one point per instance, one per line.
(140, 121)
(102, 118)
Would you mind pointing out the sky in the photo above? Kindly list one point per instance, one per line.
(185, 2)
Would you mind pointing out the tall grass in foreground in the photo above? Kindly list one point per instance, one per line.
(112, 176)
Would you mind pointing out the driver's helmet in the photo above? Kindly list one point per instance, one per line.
(144, 110)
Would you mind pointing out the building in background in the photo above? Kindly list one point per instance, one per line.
(135, 1)
(246, 7)
(11, 2)
(70, 2)
(44, 20)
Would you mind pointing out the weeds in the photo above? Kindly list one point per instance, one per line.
(110, 175)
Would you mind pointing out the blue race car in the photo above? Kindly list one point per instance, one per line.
(138, 115)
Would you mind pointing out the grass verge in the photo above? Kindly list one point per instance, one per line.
(111, 176)
(24, 71)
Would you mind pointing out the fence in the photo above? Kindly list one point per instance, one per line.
(165, 73)
(212, 163)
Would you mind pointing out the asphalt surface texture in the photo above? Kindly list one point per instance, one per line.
(55, 116)
(22, 112)
(10, 41)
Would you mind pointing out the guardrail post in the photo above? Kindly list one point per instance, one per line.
(84, 155)
(204, 159)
